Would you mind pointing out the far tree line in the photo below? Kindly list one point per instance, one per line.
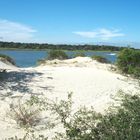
(37, 46)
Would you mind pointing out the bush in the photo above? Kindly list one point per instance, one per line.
(123, 124)
(7, 58)
(57, 54)
(100, 59)
(81, 54)
(25, 114)
(128, 62)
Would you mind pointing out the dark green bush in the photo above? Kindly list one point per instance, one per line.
(100, 59)
(57, 54)
(128, 61)
(7, 58)
(123, 125)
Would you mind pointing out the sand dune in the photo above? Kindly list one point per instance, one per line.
(91, 83)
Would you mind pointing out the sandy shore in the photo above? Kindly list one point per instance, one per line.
(91, 83)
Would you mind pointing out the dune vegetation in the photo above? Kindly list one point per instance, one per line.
(120, 122)
(100, 59)
(128, 62)
(57, 54)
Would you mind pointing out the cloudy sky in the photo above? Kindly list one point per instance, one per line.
(69, 21)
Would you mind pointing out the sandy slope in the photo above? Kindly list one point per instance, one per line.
(6, 65)
(91, 83)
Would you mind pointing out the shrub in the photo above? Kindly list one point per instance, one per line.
(57, 54)
(81, 54)
(100, 59)
(7, 58)
(128, 62)
(25, 114)
(123, 124)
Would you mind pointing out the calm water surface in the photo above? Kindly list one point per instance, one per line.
(29, 58)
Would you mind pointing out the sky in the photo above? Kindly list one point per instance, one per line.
(70, 21)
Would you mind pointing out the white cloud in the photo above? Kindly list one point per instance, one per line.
(13, 31)
(104, 34)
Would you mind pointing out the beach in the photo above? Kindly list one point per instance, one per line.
(90, 82)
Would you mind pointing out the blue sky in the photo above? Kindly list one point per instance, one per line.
(70, 21)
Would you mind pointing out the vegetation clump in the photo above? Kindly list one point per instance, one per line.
(100, 59)
(57, 54)
(128, 62)
(5, 58)
(25, 114)
(81, 54)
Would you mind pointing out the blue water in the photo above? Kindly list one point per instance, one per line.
(29, 58)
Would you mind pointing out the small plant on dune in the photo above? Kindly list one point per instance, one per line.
(62, 108)
(57, 54)
(100, 59)
(25, 114)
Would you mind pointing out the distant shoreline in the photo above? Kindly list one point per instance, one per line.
(52, 49)
(68, 47)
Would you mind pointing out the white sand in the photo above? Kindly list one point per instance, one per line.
(91, 83)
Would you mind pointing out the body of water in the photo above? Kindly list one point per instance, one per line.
(24, 58)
